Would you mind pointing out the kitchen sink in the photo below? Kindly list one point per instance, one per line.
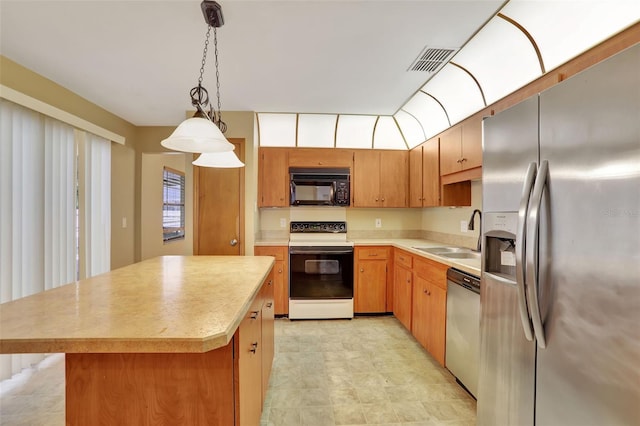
(451, 252)
(462, 255)
(442, 250)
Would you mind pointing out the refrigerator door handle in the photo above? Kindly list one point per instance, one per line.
(533, 225)
(520, 250)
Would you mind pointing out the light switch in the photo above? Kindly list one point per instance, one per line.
(283, 222)
(124, 221)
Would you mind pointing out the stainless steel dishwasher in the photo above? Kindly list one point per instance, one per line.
(463, 328)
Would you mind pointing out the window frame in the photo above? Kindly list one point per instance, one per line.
(173, 233)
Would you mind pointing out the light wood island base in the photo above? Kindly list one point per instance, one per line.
(151, 389)
(175, 340)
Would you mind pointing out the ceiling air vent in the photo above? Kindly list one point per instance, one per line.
(432, 59)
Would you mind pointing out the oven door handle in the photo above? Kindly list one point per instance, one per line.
(295, 251)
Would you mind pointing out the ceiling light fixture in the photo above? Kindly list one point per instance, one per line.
(203, 133)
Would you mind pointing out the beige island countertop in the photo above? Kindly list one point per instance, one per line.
(168, 304)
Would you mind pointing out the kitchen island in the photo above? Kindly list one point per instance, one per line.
(170, 340)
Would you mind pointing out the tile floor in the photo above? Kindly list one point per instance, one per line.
(368, 370)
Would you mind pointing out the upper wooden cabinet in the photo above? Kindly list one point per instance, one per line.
(320, 157)
(461, 146)
(273, 177)
(424, 175)
(380, 178)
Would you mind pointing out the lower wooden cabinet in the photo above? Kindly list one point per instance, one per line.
(221, 387)
(402, 287)
(420, 300)
(281, 276)
(371, 278)
(429, 303)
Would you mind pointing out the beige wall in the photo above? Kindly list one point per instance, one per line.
(447, 219)
(240, 124)
(151, 197)
(34, 85)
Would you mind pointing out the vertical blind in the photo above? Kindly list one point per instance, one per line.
(39, 208)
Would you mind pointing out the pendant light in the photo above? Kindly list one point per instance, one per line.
(203, 133)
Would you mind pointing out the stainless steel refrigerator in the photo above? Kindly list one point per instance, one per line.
(560, 292)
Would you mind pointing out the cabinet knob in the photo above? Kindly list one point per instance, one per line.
(254, 314)
(270, 282)
(361, 269)
(279, 271)
(462, 160)
(408, 281)
(383, 199)
(254, 347)
(233, 242)
(269, 305)
(376, 199)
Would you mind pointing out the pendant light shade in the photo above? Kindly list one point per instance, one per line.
(225, 160)
(197, 135)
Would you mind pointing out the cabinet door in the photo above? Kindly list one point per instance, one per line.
(402, 295)
(437, 317)
(393, 175)
(366, 182)
(267, 331)
(420, 313)
(472, 143)
(370, 292)
(450, 151)
(281, 275)
(320, 157)
(415, 177)
(273, 180)
(431, 173)
(250, 366)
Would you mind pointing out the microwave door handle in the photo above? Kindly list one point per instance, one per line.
(292, 193)
(334, 189)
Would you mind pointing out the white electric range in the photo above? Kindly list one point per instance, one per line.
(320, 270)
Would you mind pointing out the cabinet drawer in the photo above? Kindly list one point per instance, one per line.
(433, 272)
(372, 252)
(403, 258)
(279, 252)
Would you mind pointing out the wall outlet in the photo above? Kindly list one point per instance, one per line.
(464, 226)
(283, 222)
(378, 223)
(124, 221)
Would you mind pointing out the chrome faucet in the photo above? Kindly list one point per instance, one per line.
(470, 227)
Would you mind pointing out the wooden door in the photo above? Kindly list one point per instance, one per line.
(393, 174)
(267, 331)
(431, 173)
(281, 275)
(219, 208)
(371, 286)
(450, 151)
(273, 177)
(366, 178)
(420, 314)
(437, 317)
(249, 352)
(415, 177)
(402, 295)
(472, 142)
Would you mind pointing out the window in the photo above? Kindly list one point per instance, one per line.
(172, 205)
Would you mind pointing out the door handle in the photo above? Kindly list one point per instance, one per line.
(532, 243)
(520, 250)
(233, 242)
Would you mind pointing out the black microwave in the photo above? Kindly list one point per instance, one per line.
(320, 187)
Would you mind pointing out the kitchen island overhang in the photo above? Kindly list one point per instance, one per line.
(156, 342)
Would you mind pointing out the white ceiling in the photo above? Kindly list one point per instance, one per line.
(138, 59)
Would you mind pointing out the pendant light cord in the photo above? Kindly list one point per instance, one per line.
(218, 118)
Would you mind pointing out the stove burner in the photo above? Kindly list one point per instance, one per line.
(318, 227)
